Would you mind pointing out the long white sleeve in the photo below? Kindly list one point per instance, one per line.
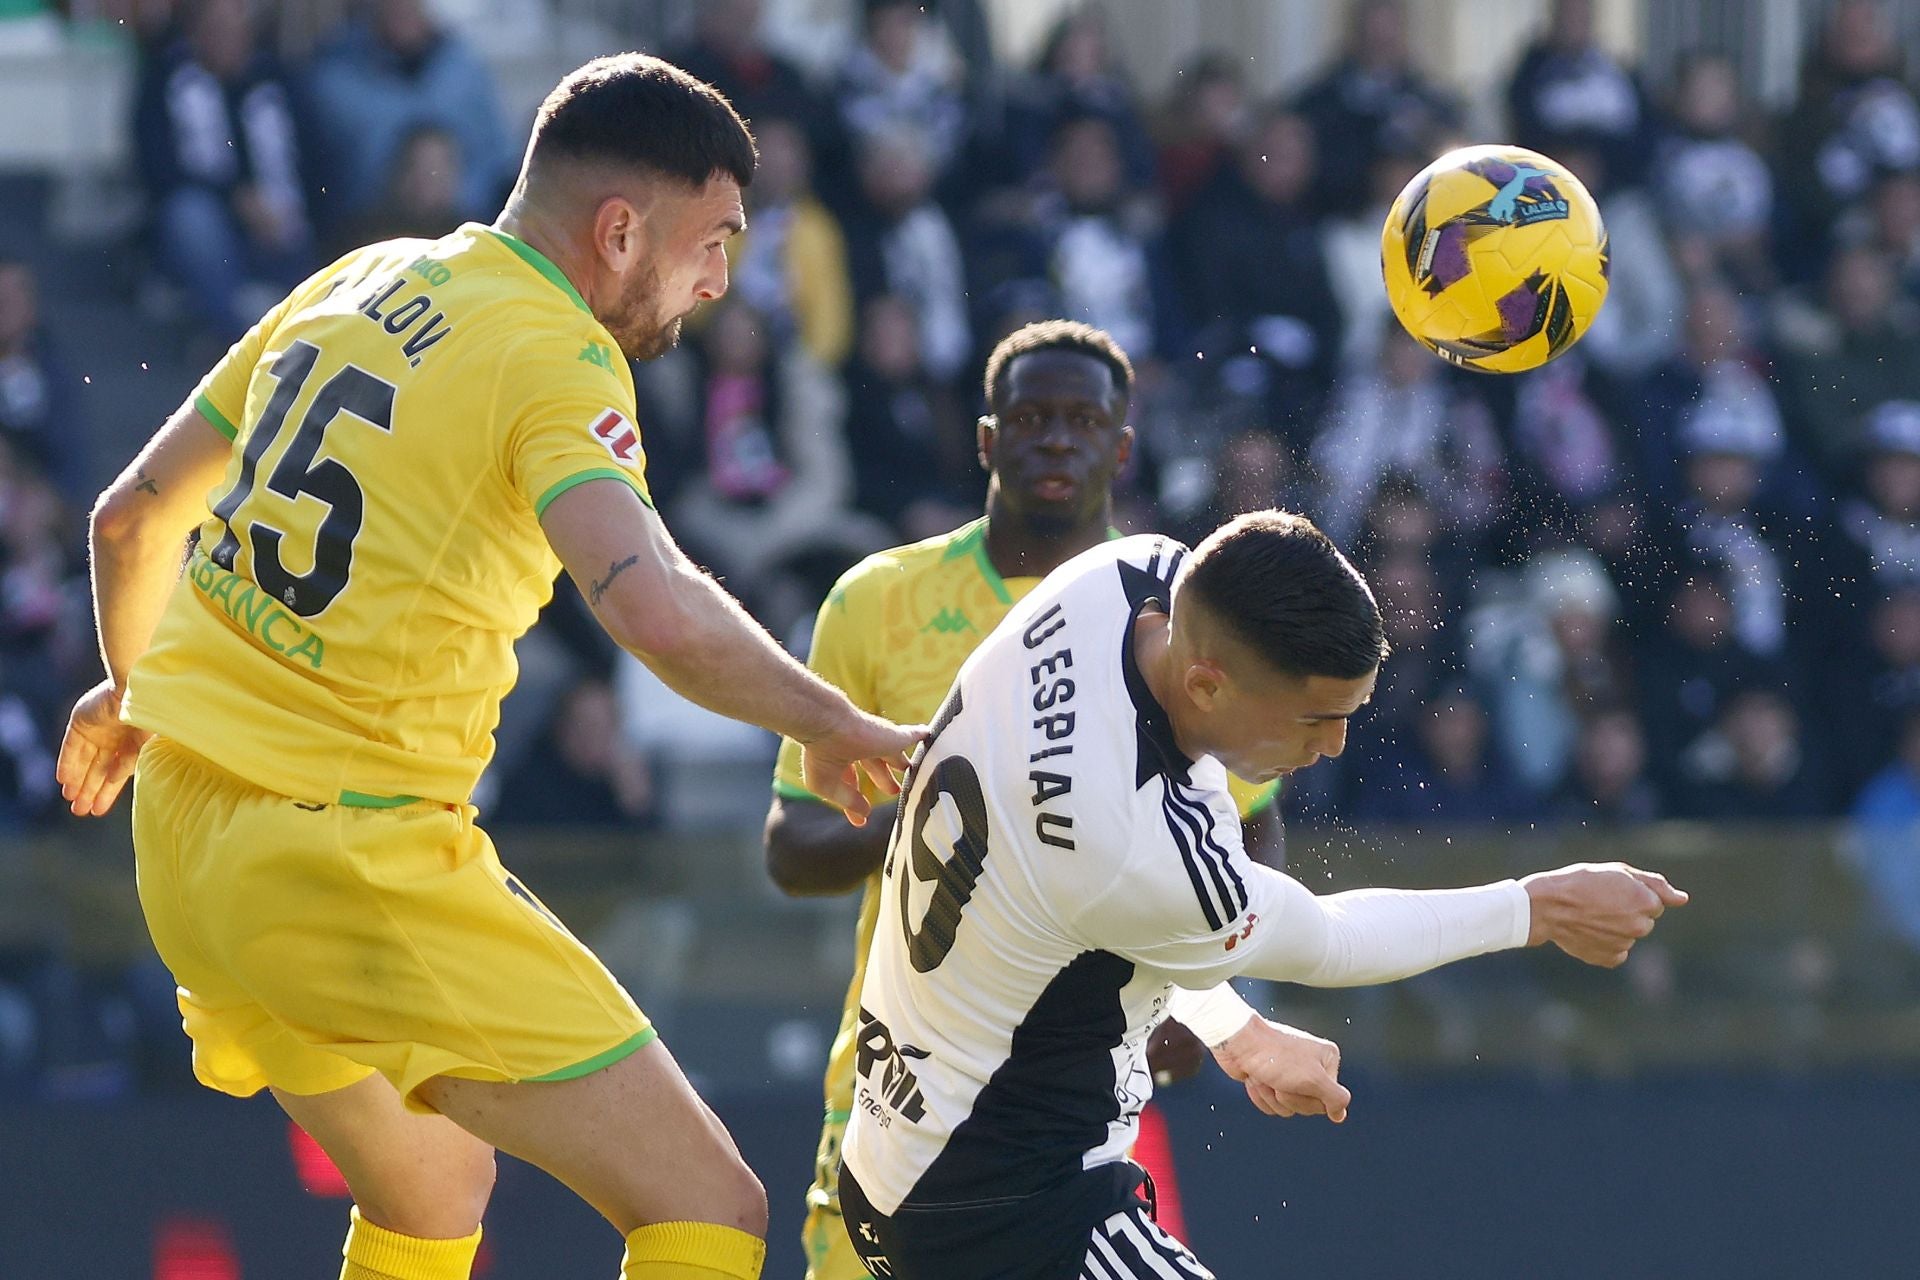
(1214, 1014)
(1286, 934)
(1379, 935)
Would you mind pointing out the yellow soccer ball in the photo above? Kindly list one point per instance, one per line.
(1495, 258)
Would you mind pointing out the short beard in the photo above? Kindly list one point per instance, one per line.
(653, 345)
(642, 298)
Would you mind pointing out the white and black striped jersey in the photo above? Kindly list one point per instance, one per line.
(1058, 862)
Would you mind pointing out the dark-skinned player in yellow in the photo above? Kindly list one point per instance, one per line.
(895, 629)
(385, 477)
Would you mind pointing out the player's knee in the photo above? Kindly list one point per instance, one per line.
(445, 1201)
(477, 1182)
(752, 1203)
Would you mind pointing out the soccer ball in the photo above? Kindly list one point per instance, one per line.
(1495, 258)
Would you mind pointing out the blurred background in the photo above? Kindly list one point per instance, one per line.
(1659, 600)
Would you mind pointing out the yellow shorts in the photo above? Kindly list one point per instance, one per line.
(830, 1254)
(316, 945)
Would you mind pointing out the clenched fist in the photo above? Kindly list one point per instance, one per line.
(1287, 1072)
(1596, 911)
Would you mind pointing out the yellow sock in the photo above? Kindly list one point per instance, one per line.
(375, 1253)
(692, 1251)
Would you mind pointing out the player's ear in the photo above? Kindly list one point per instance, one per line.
(985, 429)
(1203, 681)
(618, 236)
(1124, 449)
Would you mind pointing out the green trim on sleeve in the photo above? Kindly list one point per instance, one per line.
(217, 418)
(361, 800)
(787, 791)
(625, 1049)
(544, 265)
(581, 477)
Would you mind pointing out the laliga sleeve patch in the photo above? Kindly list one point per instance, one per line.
(622, 439)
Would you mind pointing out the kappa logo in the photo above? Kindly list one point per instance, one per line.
(949, 621)
(620, 436)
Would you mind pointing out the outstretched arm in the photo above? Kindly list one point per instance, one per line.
(1593, 912)
(663, 609)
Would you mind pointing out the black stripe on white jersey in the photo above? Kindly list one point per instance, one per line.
(1208, 886)
(1130, 1245)
(1210, 845)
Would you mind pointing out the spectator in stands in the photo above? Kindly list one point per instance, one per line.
(1255, 274)
(583, 773)
(1371, 102)
(1892, 226)
(39, 414)
(42, 624)
(901, 242)
(729, 51)
(1854, 350)
(1882, 521)
(1640, 324)
(1352, 244)
(1719, 519)
(1567, 90)
(1255, 472)
(1752, 764)
(1544, 652)
(1564, 455)
(219, 149)
(1077, 77)
(709, 772)
(1854, 120)
(1416, 613)
(1880, 690)
(389, 74)
(791, 266)
(1097, 241)
(1405, 523)
(1714, 191)
(422, 195)
(778, 477)
(1201, 128)
(1608, 784)
(1448, 770)
(913, 449)
(1410, 416)
(1691, 668)
(1886, 841)
(904, 78)
(1716, 373)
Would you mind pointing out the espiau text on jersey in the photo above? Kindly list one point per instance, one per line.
(1052, 690)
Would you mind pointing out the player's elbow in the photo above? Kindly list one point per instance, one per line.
(117, 519)
(788, 871)
(656, 626)
(798, 867)
(792, 871)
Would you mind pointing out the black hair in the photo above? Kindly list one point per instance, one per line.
(1057, 335)
(628, 108)
(1282, 588)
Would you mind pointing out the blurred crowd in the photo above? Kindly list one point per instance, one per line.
(1674, 574)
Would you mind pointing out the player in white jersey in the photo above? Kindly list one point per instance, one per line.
(1066, 870)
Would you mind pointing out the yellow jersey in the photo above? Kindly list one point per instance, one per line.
(343, 631)
(892, 634)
